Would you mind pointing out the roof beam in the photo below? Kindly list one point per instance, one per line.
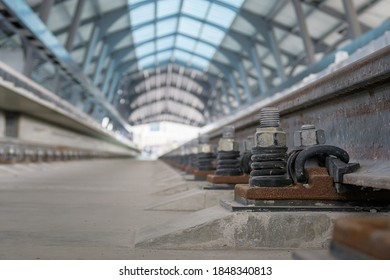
(44, 10)
(75, 24)
(353, 23)
(304, 31)
(163, 98)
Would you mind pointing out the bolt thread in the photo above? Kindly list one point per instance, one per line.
(269, 117)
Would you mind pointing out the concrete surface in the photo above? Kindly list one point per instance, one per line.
(218, 228)
(91, 210)
(192, 200)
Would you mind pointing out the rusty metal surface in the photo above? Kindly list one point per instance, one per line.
(300, 205)
(368, 235)
(215, 179)
(352, 105)
(320, 187)
(203, 173)
(190, 169)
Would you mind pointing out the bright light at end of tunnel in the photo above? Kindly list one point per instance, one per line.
(155, 139)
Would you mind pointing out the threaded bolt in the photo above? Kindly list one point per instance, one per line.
(269, 117)
(228, 132)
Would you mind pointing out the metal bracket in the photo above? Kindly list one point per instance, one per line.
(337, 168)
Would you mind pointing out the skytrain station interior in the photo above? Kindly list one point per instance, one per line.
(194, 129)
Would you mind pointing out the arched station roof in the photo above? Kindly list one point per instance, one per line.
(154, 58)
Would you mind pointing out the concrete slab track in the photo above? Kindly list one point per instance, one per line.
(91, 210)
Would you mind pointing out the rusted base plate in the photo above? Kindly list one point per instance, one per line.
(8, 162)
(320, 187)
(211, 186)
(203, 173)
(179, 166)
(243, 205)
(189, 170)
(215, 179)
(368, 235)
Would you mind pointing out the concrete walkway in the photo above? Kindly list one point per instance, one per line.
(91, 210)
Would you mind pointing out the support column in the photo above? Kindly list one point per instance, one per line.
(353, 22)
(260, 76)
(75, 24)
(225, 92)
(244, 79)
(102, 56)
(308, 43)
(44, 10)
(29, 60)
(91, 47)
(276, 53)
(233, 84)
(113, 87)
(107, 79)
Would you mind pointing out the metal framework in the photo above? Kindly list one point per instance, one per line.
(218, 54)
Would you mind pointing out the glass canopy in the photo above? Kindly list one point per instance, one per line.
(189, 31)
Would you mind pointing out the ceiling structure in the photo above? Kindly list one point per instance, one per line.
(194, 61)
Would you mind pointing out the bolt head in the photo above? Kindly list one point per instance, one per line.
(249, 143)
(309, 136)
(204, 139)
(204, 148)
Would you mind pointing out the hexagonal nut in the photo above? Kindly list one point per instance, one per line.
(310, 137)
(297, 138)
(270, 138)
(227, 145)
(204, 148)
(248, 143)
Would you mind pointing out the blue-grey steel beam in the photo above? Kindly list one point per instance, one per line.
(216, 63)
(108, 76)
(266, 30)
(233, 85)
(233, 34)
(177, 25)
(167, 84)
(235, 61)
(113, 87)
(91, 48)
(102, 56)
(197, 82)
(307, 42)
(109, 43)
(29, 60)
(260, 76)
(166, 98)
(276, 54)
(98, 32)
(230, 33)
(226, 94)
(250, 48)
(75, 24)
(44, 10)
(353, 22)
(210, 103)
